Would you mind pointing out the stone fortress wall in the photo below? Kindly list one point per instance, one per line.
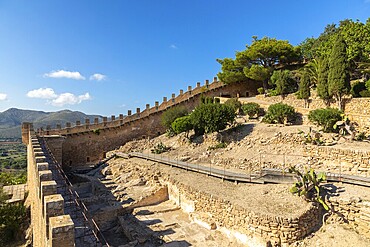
(86, 144)
(50, 225)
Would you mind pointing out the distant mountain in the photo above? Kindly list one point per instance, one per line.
(11, 120)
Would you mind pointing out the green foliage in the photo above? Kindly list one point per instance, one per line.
(251, 109)
(365, 93)
(308, 185)
(279, 113)
(182, 124)
(231, 71)
(325, 118)
(312, 69)
(96, 131)
(360, 136)
(258, 60)
(12, 220)
(367, 85)
(304, 87)
(171, 114)
(260, 90)
(234, 103)
(217, 146)
(160, 148)
(208, 118)
(322, 80)
(283, 81)
(13, 156)
(10, 178)
(338, 77)
(258, 72)
(356, 88)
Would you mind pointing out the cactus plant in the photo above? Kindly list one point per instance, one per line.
(308, 185)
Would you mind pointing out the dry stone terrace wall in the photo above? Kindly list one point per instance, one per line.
(86, 144)
(355, 211)
(341, 161)
(50, 226)
(357, 109)
(257, 228)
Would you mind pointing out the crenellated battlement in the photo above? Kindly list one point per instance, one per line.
(113, 122)
(47, 204)
(84, 144)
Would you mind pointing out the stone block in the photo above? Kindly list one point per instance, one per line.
(53, 205)
(40, 159)
(48, 188)
(45, 175)
(42, 166)
(61, 231)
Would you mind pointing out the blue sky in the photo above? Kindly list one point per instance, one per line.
(105, 57)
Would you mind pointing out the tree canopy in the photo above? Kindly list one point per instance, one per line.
(259, 60)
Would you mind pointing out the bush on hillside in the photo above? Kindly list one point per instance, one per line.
(171, 114)
(251, 109)
(326, 118)
(234, 103)
(365, 93)
(182, 124)
(280, 113)
(356, 88)
(208, 118)
(160, 148)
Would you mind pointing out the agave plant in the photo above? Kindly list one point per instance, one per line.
(308, 185)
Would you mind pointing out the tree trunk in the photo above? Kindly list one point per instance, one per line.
(339, 100)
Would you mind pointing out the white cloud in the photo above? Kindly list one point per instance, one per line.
(65, 74)
(42, 93)
(57, 99)
(69, 99)
(98, 77)
(3, 96)
(173, 46)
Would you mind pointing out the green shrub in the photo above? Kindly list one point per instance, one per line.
(160, 148)
(182, 124)
(356, 88)
(234, 103)
(96, 131)
(217, 146)
(325, 118)
(260, 90)
(171, 114)
(279, 113)
(13, 217)
(251, 109)
(367, 84)
(365, 93)
(208, 118)
(8, 178)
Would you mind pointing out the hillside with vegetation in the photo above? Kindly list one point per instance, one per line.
(11, 120)
(336, 64)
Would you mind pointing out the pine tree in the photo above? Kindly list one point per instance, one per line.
(322, 80)
(338, 76)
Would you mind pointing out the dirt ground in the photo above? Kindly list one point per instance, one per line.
(247, 144)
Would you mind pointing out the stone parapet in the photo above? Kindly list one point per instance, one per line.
(46, 204)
